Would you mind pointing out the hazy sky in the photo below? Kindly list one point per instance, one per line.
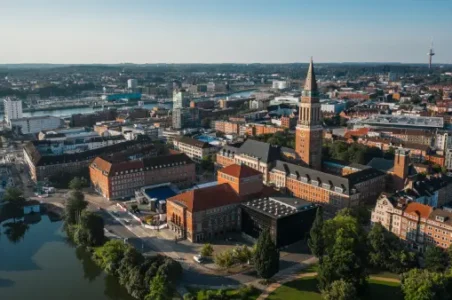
(213, 31)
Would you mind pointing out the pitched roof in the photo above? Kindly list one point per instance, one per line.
(110, 167)
(239, 171)
(382, 164)
(193, 142)
(264, 151)
(207, 198)
(310, 83)
(421, 210)
(345, 182)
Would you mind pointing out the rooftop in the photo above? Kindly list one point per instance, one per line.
(404, 120)
(240, 171)
(279, 207)
(343, 184)
(193, 142)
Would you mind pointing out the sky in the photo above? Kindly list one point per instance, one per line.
(224, 31)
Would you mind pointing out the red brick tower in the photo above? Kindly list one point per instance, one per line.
(308, 138)
(401, 168)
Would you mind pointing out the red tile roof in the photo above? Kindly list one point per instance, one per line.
(207, 198)
(239, 171)
(422, 210)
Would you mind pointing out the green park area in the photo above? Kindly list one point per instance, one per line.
(244, 293)
(306, 289)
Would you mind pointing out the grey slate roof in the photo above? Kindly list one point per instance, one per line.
(264, 151)
(382, 164)
(346, 183)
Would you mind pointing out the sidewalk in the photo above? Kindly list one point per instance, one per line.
(284, 279)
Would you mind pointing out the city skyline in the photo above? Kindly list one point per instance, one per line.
(110, 32)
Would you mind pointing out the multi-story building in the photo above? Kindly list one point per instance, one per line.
(116, 178)
(43, 164)
(13, 109)
(332, 106)
(132, 84)
(185, 118)
(228, 127)
(260, 129)
(333, 191)
(418, 224)
(194, 149)
(181, 99)
(31, 125)
(279, 215)
(257, 155)
(205, 213)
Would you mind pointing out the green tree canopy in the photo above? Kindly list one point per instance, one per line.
(160, 289)
(14, 196)
(316, 240)
(436, 259)
(266, 256)
(340, 290)
(77, 183)
(207, 250)
(75, 205)
(425, 285)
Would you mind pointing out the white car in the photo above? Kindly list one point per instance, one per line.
(198, 258)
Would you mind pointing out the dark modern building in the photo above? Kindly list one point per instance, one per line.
(288, 219)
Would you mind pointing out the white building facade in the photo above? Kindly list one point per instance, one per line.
(33, 125)
(13, 109)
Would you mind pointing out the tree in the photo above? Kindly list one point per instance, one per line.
(449, 253)
(242, 254)
(159, 289)
(171, 269)
(316, 240)
(343, 261)
(131, 259)
(224, 259)
(266, 256)
(436, 259)
(110, 255)
(345, 253)
(13, 196)
(77, 183)
(340, 290)
(425, 285)
(207, 250)
(75, 205)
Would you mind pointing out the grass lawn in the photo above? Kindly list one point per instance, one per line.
(234, 294)
(306, 289)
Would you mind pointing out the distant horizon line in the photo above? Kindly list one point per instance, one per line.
(227, 63)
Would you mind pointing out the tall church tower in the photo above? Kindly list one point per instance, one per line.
(308, 138)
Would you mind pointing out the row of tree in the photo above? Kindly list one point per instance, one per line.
(144, 278)
(347, 254)
(354, 153)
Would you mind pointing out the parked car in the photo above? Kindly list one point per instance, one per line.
(198, 258)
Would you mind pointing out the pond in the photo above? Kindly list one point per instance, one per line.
(37, 262)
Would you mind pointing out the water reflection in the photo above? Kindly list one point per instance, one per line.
(15, 231)
(90, 270)
(37, 259)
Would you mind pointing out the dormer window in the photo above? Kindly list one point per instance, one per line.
(338, 189)
(440, 219)
(315, 182)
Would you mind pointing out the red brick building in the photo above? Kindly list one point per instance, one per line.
(205, 213)
(418, 224)
(117, 178)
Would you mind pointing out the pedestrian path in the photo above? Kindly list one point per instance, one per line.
(282, 279)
